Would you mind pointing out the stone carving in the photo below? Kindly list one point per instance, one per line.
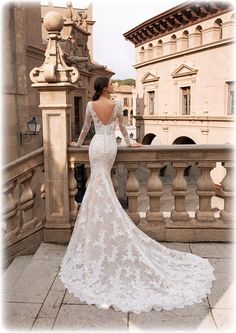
(54, 68)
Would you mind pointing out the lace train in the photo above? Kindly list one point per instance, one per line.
(111, 262)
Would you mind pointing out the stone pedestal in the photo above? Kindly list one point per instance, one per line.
(55, 82)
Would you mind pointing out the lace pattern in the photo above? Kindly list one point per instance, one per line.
(110, 262)
(101, 128)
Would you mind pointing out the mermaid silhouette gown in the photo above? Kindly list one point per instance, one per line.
(109, 261)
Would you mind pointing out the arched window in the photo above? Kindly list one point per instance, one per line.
(149, 51)
(218, 25)
(198, 32)
(173, 44)
(141, 54)
(131, 117)
(125, 113)
(185, 37)
(159, 48)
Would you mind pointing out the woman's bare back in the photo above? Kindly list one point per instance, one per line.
(103, 110)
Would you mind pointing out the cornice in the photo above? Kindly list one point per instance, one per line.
(177, 18)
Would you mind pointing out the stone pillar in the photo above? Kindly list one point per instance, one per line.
(55, 82)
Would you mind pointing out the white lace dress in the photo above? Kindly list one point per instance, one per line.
(109, 261)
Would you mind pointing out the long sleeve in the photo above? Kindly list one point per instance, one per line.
(86, 126)
(121, 124)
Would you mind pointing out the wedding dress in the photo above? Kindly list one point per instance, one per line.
(109, 261)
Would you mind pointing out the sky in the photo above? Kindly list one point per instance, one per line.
(114, 18)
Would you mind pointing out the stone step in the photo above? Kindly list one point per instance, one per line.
(33, 283)
(14, 270)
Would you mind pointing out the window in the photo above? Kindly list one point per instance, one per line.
(77, 108)
(186, 100)
(125, 113)
(126, 101)
(151, 95)
(230, 108)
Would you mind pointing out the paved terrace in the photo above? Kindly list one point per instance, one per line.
(35, 298)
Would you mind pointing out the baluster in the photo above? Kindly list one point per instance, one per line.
(27, 200)
(227, 186)
(42, 195)
(42, 191)
(205, 191)
(132, 192)
(72, 193)
(42, 188)
(154, 191)
(114, 179)
(179, 190)
(11, 226)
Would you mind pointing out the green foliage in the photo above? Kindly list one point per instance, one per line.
(129, 82)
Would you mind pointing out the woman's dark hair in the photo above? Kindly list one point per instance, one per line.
(100, 83)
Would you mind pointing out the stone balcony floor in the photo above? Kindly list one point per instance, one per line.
(35, 298)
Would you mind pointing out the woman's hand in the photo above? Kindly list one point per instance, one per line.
(72, 143)
(136, 144)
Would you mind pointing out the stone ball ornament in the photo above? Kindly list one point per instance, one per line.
(53, 21)
(54, 69)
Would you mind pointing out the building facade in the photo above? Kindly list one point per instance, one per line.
(127, 95)
(184, 75)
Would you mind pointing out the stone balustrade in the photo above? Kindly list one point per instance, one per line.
(179, 226)
(24, 209)
(23, 213)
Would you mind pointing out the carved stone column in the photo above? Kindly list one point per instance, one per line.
(205, 191)
(179, 191)
(132, 192)
(227, 186)
(154, 191)
(55, 82)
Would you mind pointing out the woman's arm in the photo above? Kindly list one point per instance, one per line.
(85, 128)
(121, 124)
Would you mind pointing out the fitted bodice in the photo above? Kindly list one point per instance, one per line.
(100, 127)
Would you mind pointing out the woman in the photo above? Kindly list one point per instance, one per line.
(109, 261)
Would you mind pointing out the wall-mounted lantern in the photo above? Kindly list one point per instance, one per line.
(33, 129)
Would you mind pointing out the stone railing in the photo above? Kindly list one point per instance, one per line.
(23, 211)
(23, 189)
(179, 226)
